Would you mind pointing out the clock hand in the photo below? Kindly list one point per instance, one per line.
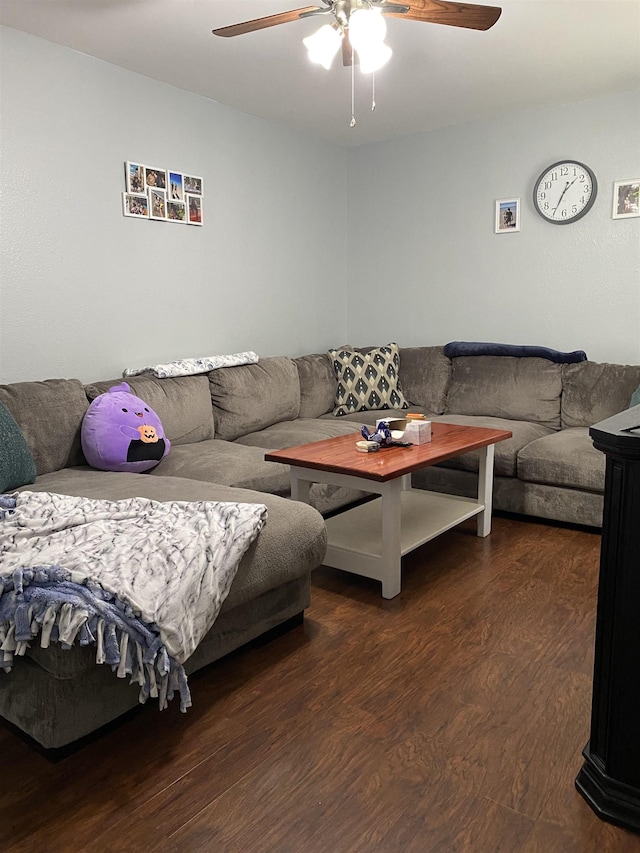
(569, 184)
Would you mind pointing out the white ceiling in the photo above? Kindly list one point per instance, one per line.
(540, 52)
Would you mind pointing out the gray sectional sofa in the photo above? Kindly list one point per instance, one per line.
(220, 425)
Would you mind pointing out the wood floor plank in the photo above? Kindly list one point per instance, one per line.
(450, 718)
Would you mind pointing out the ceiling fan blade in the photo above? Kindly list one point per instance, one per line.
(268, 21)
(466, 15)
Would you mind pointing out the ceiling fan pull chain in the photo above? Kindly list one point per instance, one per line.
(373, 91)
(352, 123)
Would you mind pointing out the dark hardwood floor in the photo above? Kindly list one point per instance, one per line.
(450, 718)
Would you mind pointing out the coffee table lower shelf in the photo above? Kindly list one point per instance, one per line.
(355, 537)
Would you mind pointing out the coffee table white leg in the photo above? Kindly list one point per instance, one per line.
(299, 487)
(391, 559)
(485, 489)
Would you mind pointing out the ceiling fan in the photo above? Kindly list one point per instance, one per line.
(473, 17)
(357, 27)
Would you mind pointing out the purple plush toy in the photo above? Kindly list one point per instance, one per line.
(121, 433)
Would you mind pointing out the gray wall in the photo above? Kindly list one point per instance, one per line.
(424, 263)
(85, 291)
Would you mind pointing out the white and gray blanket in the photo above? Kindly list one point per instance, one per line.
(192, 366)
(142, 580)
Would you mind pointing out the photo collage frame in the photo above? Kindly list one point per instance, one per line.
(162, 194)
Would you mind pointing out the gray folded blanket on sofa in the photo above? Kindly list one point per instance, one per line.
(141, 580)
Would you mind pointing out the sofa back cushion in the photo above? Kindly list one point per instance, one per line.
(520, 389)
(49, 415)
(425, 373)
(182, 403)
(254, 396)
(592, 392)
(317, 384)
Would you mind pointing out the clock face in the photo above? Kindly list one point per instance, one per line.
(564, 192)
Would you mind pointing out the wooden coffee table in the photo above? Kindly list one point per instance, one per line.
(370, 539)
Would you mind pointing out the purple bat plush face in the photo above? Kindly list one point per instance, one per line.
(121, 433)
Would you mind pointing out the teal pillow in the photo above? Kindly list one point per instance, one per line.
(17, 467)
(635, 398)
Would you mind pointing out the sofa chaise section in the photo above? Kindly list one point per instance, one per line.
(58, 696)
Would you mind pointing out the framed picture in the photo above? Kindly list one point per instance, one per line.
(134, 204)
(193, 185)
(194, 209)
(155, 178)
(176, 211)
(626, 199)
(157, 204)
(134, 177)
(176, 186)
(507, 215)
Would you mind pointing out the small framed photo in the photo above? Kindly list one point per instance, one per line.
(193, 185)
(626, 199)
(194, 209)
(134, 204)
(134, 174)
(176, 211)
(155, 178)
(157, 204)
(507, 215)
(176, 186)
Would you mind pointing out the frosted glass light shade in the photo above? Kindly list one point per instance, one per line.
(373, 58)
(323, 45)
(367, 28)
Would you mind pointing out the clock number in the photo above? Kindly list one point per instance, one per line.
(542, 195)
(564, 212)
(554, 176)
(545, 206)
(547, 185)
(564, 171)
(574, 209)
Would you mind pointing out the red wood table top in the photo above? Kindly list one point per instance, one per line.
(340, 455)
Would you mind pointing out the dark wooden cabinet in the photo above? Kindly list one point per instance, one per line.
(610, 776)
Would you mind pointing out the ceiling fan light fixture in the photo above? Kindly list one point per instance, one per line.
(367, 28)
(374, 57)
(323, 45)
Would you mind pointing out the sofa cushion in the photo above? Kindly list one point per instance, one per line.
(566, 458)
(227, 463)
(49, 415)
(300, 431)
(520, 389)
(17, 467)
(291, 543)
(254, 396)
(369, 418)
(506, 452)
(425, 373)
(317, 384)
(367, 380)
(183, 404)
(592, 392)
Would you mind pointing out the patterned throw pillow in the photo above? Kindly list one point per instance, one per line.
(367, 381)
(17, 467)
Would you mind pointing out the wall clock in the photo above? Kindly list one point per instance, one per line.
(564, 192)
